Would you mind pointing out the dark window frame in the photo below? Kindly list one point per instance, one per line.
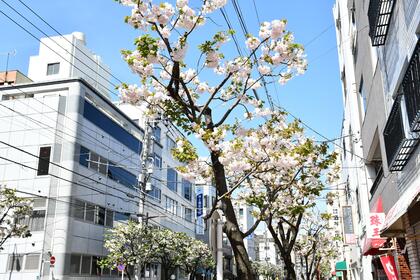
(44, 161)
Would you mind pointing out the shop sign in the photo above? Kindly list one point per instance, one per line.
(349, 236)
(199, 229)
(374, 224)
(389, 266)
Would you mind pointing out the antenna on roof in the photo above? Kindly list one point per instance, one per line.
(8, 54)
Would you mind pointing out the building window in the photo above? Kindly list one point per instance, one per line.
(86, 262)
(170, 144)
(96, 269)
(362, 100)
(157, 133)
(171, 205)
(44, 161)
(53, 68)
(92, 213)
(15, 262)
(75, 264)
(100, 216)
(84, 156)
(188, 214)
(101, 120)
(32, 262)
(156, 193)
(100, 164)
(241, 211)
(186, 189)
(172, 179)
(109, 220)
(158, 161)
(36, 222)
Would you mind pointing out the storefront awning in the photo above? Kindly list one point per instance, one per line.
(393, 225)
(371, 246)
(341, 265)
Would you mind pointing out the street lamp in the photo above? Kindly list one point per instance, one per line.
(173, 277)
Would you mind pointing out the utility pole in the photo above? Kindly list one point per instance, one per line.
(146, 166)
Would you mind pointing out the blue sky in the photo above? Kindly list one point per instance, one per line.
(314, 97)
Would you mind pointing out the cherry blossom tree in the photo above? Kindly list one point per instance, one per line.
(267, 271)
(13, 210)
(136, 245)
(172, 85)
(315, 247)
(198, 256)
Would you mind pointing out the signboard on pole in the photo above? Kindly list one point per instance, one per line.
(199, 228)
(121, 267)
(389, 266)
(52, 261)
(374, 224)
(348, 227)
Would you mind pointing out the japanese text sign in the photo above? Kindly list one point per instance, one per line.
(389, 266)
(374, 224)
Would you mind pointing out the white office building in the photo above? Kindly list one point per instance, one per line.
(68, 57)
(64, 143)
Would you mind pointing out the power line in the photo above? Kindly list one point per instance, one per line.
(75, 66)
(70, 181)
(58, 32)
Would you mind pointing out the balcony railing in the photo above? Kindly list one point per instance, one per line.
(410, 87)
(398, 147)
(380, 12)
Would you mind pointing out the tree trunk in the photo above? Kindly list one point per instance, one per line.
(231, 227)
(290, 268)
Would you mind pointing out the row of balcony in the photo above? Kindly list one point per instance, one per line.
(400, 142)
(379, 14)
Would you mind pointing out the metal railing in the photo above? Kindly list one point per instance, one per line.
(379, 14)
(410, 88)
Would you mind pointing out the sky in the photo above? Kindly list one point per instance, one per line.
(314, 97)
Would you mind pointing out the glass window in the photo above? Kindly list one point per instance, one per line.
(75, 264)
(86, 262)
(157, 133)
(100, 217)
(158, 161)
(39, 202)
(94, 115)
(96, 269)
(156, 193)
(170, 143)
(109, 222)
(171, 205)
(103, 164)
(186, 189)
(241, 211)
(120, 217)
(122, 176)
(90, 212)
(188, 214)
(78, 208)
(84, 156)
(32, 261)
(53, 68)
(15, 262)
(94, 161)
(36, 222)
(44, 161)
(172, 179)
